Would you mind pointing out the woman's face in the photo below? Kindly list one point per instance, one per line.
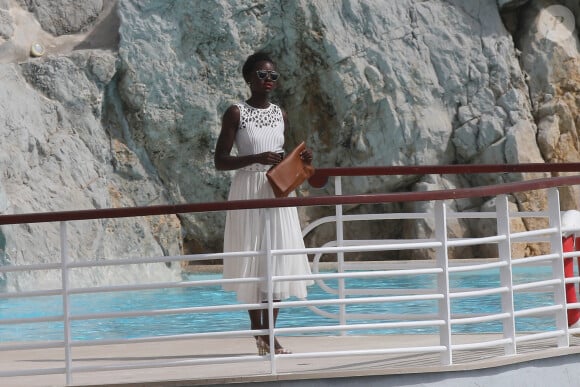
(263, 78)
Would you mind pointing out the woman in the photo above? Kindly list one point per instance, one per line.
(256, 127)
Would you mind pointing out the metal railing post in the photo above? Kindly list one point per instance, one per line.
(269, 271)
(340, 255)
(443, 281)
(506, 273)
(556, 247)
(65, 301)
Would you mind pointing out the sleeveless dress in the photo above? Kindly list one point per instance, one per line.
(261, 130)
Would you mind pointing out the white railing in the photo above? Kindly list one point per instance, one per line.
(441, 320)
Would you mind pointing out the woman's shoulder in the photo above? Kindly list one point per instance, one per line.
(239, 106)
(233, 112)
(236, 106)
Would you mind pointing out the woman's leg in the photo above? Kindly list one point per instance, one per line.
(266, 320)
(255, 319)
(266, 323)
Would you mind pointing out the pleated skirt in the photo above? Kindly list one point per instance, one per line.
(245, 231)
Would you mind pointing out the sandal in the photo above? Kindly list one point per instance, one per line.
(282, 351)
(263, 347)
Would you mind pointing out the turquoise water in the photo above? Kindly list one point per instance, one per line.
(289, 317)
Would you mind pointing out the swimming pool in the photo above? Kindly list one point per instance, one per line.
(135, 327)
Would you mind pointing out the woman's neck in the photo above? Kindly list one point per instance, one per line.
(260, 103)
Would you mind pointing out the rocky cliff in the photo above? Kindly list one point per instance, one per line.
(110, 103)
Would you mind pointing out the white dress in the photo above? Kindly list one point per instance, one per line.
(261, 130)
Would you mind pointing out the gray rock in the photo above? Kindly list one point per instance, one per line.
(61, 17)
(59, 158)
(6, 23)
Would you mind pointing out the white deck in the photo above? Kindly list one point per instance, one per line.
(288, 368)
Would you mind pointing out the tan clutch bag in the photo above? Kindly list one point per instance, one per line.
(289, 173)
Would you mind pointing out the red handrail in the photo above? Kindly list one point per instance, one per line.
(321, 176)
(324, 173)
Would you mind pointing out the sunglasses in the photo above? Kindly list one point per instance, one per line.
(263, 74)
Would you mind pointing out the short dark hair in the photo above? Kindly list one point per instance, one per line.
(250, 63)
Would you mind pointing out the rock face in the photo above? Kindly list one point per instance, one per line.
(125, 106)
(60, 17)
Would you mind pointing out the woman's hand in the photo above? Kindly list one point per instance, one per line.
(268, 158)
(306, 155)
